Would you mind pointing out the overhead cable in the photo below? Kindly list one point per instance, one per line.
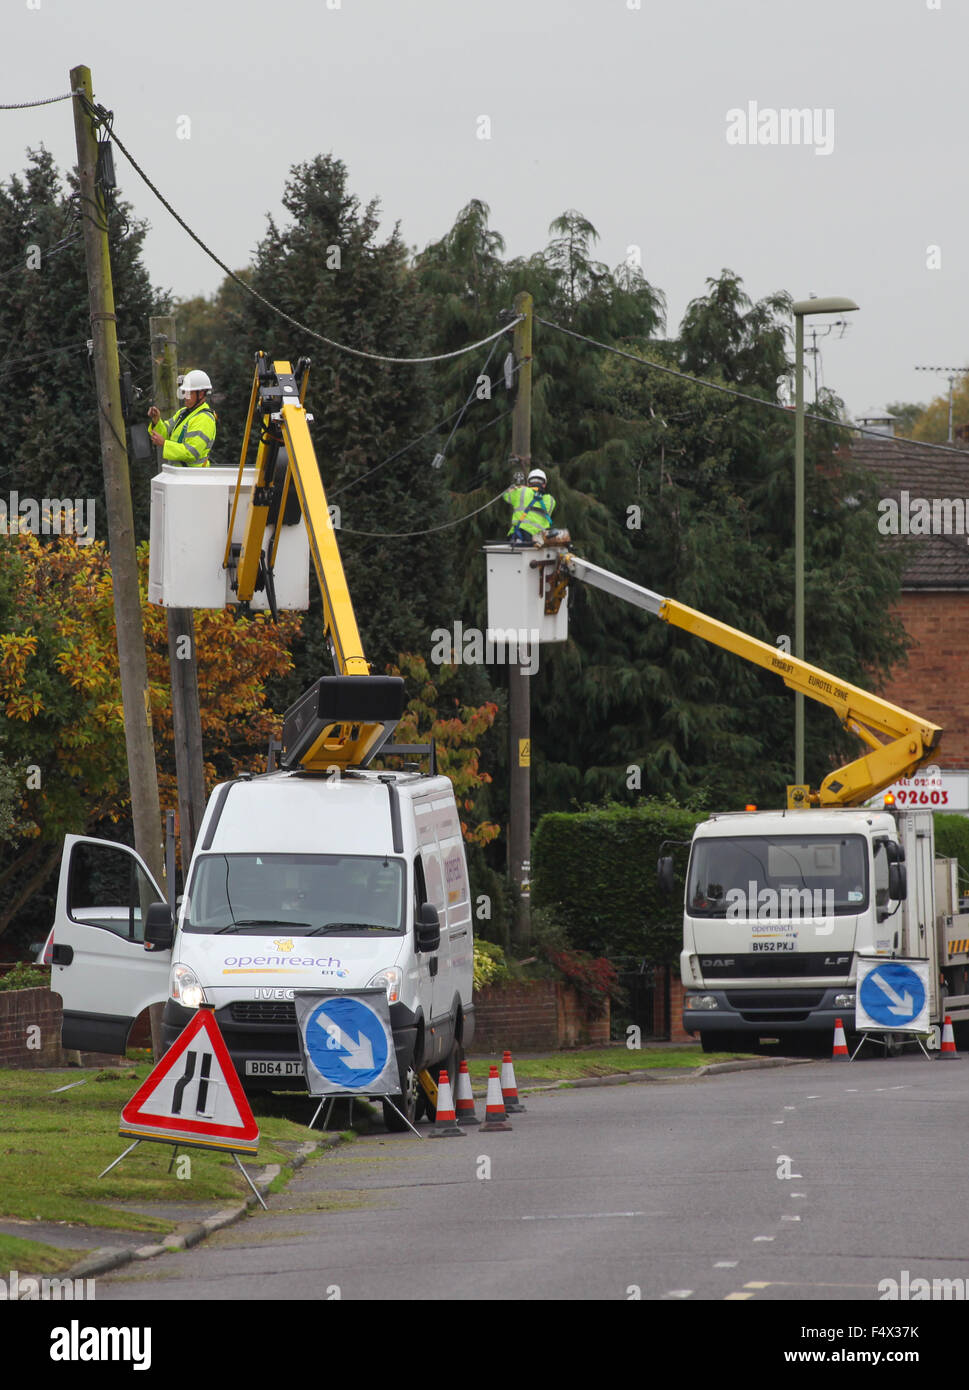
(107, 117)
(744, 395)
(22, 105)
(444, 526)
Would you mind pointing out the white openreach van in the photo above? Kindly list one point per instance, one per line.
(299, 881)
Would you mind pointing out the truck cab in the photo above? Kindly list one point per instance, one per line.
(778, 905)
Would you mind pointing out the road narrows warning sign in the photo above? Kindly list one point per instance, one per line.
(193, 1097)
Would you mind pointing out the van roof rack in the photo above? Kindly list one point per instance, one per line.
(410, 750)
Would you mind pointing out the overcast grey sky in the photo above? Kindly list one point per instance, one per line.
(619, 108)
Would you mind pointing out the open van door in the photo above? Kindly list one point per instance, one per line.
(100, 966)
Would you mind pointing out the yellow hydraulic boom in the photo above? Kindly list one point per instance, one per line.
(343, 720)
(899, 741)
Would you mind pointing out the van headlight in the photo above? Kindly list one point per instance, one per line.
(392, 978)
(186, 988)
(701, 1001)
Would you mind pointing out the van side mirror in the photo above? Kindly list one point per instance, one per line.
(897, 882)
(427, 929)
(664, 874)
(159, 928)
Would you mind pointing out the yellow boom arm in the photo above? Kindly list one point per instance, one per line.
(344, 719)
(899, 741)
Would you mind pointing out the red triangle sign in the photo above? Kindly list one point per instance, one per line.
(193, 1097)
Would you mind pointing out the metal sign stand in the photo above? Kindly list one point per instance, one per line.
(896, 1042)
(175, 1147)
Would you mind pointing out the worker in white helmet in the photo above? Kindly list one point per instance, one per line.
(532, 507)
(187, 438)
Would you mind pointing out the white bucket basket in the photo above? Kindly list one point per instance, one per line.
(518, 579)
(190, 509)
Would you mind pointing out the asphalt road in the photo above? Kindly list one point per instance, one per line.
(803, 1183)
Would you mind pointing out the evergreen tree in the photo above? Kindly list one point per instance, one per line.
(51, 436)
(328, 268)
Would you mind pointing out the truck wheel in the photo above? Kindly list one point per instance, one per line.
(409, 1102)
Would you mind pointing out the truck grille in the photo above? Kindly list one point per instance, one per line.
(775, 999)
(776, 963)
(263, 1011)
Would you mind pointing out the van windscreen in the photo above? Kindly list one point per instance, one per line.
(299, 894)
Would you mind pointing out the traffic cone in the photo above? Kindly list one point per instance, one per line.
(509, 1087)
(465, 1099)
(495, 1117)
(445, 1125)
(840, 1053)
(948, 1049)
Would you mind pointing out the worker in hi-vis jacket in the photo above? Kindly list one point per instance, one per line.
(187, 438)
(532, 507)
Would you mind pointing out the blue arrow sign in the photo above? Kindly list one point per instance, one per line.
(347, 1043)
(892, 994)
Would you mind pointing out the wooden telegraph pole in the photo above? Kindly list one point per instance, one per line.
(186, 716)
(142, 775)
(519, 691)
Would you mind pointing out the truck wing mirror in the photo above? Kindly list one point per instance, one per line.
(664, 874)
(159, 928)
(897, 882)
(428, 929)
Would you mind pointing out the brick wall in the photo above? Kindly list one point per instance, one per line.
(30, 1028)
(533, 1016)
(23, 1010)
(677, 1032)
(933, 682)
(671, 1026)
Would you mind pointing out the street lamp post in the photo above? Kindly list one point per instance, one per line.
(801, 308)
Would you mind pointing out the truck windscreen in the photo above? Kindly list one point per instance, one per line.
(299, 894)
(778, 876)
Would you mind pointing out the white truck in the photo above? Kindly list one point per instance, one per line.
(321, 874)
(779, 905)
(298, 882)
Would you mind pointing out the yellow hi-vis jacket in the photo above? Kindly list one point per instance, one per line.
(532, 510)
(189, 436)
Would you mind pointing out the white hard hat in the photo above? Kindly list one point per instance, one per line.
(195, 381)
(537, 473)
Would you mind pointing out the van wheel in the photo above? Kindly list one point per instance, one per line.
(409, 1103)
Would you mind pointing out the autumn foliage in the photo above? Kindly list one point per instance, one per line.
(433, 712)
(62, 738)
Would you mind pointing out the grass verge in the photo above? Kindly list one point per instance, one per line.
(606, 1061)
(32, 1255)
(53, 1145)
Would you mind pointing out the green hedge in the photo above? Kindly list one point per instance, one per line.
(952, 842)
(596, 870)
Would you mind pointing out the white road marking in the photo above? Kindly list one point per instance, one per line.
(726, 1264)
(756, 1238)
(678, 1293)
(790, 1218)
(736, 1297)
(583, 1215)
